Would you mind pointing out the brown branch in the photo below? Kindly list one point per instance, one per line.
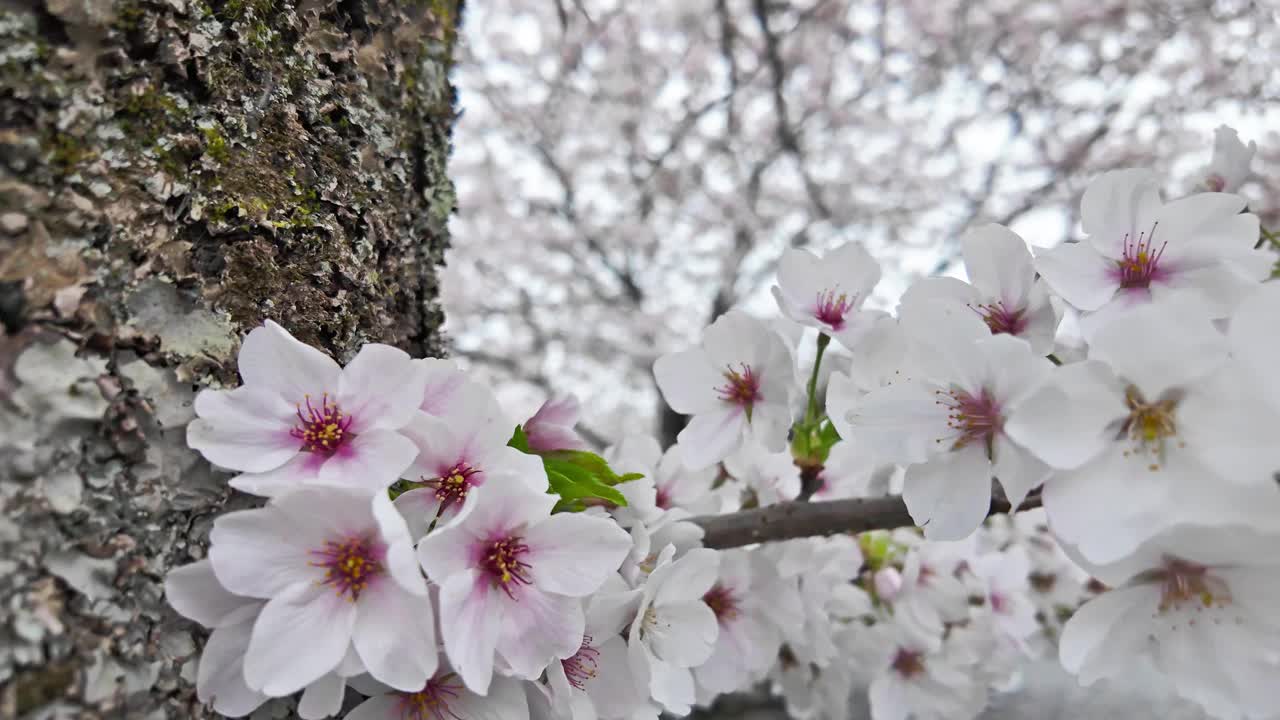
(799, 519)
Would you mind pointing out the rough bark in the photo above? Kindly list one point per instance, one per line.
(172, 172)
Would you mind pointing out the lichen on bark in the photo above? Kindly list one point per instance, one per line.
(172, 172)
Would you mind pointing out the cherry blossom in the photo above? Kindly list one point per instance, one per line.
(1229, 167)
(510, 575)
(827, 293)
(1199, 603)
(1141, 432)
(674, 629)
(1141, 249)
(457, 455)
(551, 427)
(443, 697)
(597, 681)
(299, 419)
(738, 383)
(1004, 576)
(749, 637)
(770, 478)
(1004, 291)
(948, 427)
(337, 573)
(910, 678)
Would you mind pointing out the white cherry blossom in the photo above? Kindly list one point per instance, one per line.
(299, 419)
(828, 293)
(739, 384)
(1229, 167)
(510, 575)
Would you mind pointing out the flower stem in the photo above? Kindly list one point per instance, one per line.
(811, 414)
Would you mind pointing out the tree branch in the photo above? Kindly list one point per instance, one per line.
(791, 520)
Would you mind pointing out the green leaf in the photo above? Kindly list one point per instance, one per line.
(590, 462)
(572, 487)
(520, 441)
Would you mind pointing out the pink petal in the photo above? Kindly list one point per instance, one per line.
(381, 388)
(471, 614)
(539, 627)
(574, 554)
(395, 636)
(272, 359)
(372, 461)
(301, 634)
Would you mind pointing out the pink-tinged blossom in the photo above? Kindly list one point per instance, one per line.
(1156, 428)
(597, 681)
(1004, 577)
(947, 425)
(457, 455)
(510, 575)
(301, 420)
(1141, 249)
(828, 293)
(337, 573)
(749, 637)
(910, 678)
(930, 595)
(1003, 290)
(552, 426)
(1229, 167)
(444, 697)
(771, 477)
(1198, 602)
(739, 383)
(673, 629)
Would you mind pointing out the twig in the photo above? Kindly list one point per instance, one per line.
(791, 520)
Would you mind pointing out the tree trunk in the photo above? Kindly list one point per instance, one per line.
(172, 172)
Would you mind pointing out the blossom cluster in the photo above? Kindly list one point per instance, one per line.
(416, 550)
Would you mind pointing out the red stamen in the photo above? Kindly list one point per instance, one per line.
(583, 666)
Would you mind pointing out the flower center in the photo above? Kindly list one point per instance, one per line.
(583, 666)
(351, 563)
(452, 486)
(1188, 585)
(976, 418)
(742, 387)
(322, 429)
(831, 308)
(502, 561)
(662, 498)
(908, 663)
(1001, 319)
(432, 701)
(1139, 263)
(1149, 425)
(722, 602)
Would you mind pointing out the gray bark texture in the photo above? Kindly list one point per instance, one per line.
(172, 173)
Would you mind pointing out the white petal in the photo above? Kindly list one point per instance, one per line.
(613, 689)
(1086, 634)
(1231, 428)
(472, 617)
(539, 627)
(194, 591)
(1254, 341)
(1017, 469)
(381, 387)
(572, 554)
(298, 472)
(688, 578)
(246, 429)
(950, 495)
(1159, 346)
(395, 636)
(1079, 274)
(418, 507)
(1118, 202)
(220, 675)
(446, 552)
(400, 561)
(372, 460)
(273, 359)
(301, 634)
(672, 687)
(711, 436)
(998, 263)
(683, 634)
(1065, 422)
(506, 701)
(322, 698)
(259, 553)
(688, 381)
(901, 423)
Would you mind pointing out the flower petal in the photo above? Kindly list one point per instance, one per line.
(372, 460)
(260, 552)
(395, 636)
(220, 674)
(539, 627)
(688, 381)
(302, 634)
(711, 436)
(998, 264)
(573, 554)
(1066, 421)
(381, 388)
(1160, 346)
(322, 698)
(683, 634)
(1079, 274)
(245, 429)
(475, 615)
(949, 496)
(272, 359)
(900, 423)
(194, 591)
